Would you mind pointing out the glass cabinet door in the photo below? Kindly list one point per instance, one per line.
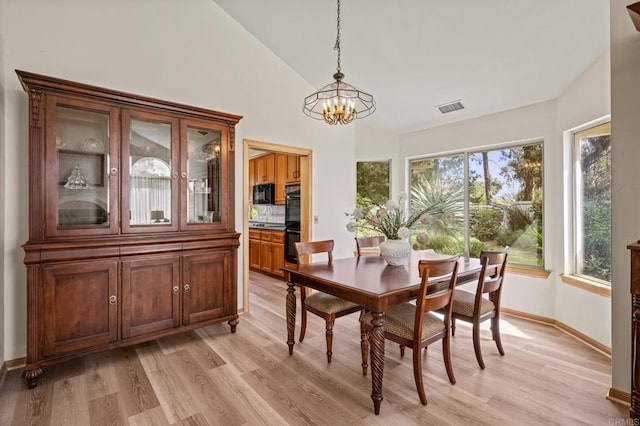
(82, 167)
(203, 174)
(149, 152)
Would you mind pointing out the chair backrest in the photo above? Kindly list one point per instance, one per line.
(494, 263)
(368, 242)
(446, 268)
(315, 247)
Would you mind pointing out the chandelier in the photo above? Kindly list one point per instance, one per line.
(339, 102)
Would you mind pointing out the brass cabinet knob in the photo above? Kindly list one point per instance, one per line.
(176, 289)
(114, 171)
(175, 175)
(113, 300)
(187, 289)
(183, 175)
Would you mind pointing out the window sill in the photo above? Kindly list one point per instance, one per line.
(531, 272)
(586, 284)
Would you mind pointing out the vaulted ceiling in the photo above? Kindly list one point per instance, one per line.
(413, 55)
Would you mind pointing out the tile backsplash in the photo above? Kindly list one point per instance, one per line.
(266, 213)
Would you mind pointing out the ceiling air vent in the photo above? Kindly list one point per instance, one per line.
(450, 106)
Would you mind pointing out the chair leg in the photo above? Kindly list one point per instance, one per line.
(329, 335)
(446, 355)
(476, 343)
(453, 326)
(303, 327)
(364, 348)
(495, 331)
(417, 374)
(401, 351)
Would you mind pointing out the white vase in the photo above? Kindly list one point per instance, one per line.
(395, 252)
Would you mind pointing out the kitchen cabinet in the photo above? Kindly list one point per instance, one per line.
(266, 251)
(131, 220)
(293, 169)
(281, 178)
(265, 169)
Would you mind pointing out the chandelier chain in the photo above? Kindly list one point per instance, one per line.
(337, 45)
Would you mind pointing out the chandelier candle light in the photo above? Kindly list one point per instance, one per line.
(339, 102)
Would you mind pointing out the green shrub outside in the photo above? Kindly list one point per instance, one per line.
(447, 244)
(485, 222)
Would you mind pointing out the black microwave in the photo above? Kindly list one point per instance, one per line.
(264, 193)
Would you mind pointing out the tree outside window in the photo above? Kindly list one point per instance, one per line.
(592, 189)
(503, 198)
(372, 186)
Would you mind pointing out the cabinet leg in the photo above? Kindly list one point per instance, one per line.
(233, 323)
(32, 376)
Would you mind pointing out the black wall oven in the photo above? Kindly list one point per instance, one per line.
(291, 222)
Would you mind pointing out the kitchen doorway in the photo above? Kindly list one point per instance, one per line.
(305, 157)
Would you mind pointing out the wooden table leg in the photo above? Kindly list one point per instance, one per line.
(291, 315)
(376, 341)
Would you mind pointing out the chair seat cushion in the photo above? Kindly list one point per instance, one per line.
(400, 319)
(463, 302)
(327, 303)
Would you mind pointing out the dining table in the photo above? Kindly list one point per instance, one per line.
(373, 284)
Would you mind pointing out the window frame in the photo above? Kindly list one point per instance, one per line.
(531, 270)
(575, 220)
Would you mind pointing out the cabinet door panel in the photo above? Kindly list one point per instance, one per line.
(149, 172)
(277, 259)
(265, 256)
(82, 148)
(79, 304)
(254, 253)
(204, 177)
(150, 294)
(208, 295)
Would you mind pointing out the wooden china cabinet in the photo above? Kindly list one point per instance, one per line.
(131, 220)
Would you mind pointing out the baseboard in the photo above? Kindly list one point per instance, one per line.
(605, 350)
(10, 365)
(619, 397)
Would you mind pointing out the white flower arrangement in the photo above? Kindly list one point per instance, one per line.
(391, 220)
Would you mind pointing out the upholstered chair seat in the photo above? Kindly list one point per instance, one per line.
(327, 303)
(400, 320)
(464, 304)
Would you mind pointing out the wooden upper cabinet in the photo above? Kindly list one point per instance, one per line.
(281, 178)
(252, 178)
(293, 168)
(265, 169)
(105, 162)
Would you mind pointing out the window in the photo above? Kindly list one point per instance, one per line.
(592, 203)
(500, 205)
(372, 186)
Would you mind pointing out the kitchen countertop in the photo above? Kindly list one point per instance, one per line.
(267, 226)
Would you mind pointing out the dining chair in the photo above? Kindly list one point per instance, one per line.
(322, 304)
(416, 326)
(368, 243)
(475, 308)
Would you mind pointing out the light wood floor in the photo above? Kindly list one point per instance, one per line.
(217, 378)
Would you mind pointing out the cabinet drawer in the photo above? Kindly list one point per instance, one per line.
(254, 234)
(265, 236)
(277, 237)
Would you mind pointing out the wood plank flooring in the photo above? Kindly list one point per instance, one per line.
(213, 377)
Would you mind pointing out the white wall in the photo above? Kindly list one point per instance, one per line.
(588, 98)
(379, 145)
(625, 135)
(3, 203)
(533, 122)
(190, 52)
